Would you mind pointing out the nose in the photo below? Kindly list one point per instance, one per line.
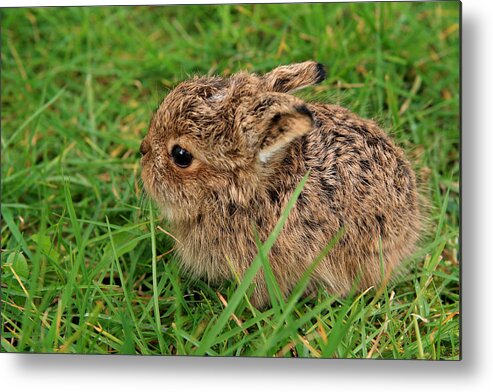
(144, 147)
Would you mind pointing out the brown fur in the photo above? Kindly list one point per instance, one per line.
(252, 142)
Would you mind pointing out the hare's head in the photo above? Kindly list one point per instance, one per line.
(211, 137)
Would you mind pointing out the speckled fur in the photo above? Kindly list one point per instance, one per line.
(252, 142)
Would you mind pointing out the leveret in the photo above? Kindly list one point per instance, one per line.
(223, 156)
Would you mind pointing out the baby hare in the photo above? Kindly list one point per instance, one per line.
(223, 156)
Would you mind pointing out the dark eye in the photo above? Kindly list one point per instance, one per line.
(181, 157)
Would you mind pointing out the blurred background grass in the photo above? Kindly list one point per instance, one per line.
(78, 87)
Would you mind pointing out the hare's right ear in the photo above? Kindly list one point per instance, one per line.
(288, 78)
(271, 121)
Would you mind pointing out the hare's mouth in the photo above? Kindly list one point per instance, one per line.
(149, 179)
(155, 186)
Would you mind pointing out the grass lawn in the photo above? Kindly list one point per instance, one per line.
(86, 264)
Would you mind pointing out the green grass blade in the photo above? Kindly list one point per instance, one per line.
(155, 297)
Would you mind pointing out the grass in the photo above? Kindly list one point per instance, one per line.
(86, 265)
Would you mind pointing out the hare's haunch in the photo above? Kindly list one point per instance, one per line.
(223, 156)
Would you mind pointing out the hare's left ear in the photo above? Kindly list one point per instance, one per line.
(288, 78)
(272, 121)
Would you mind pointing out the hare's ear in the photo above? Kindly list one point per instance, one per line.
(288, 78)
(271, 121)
